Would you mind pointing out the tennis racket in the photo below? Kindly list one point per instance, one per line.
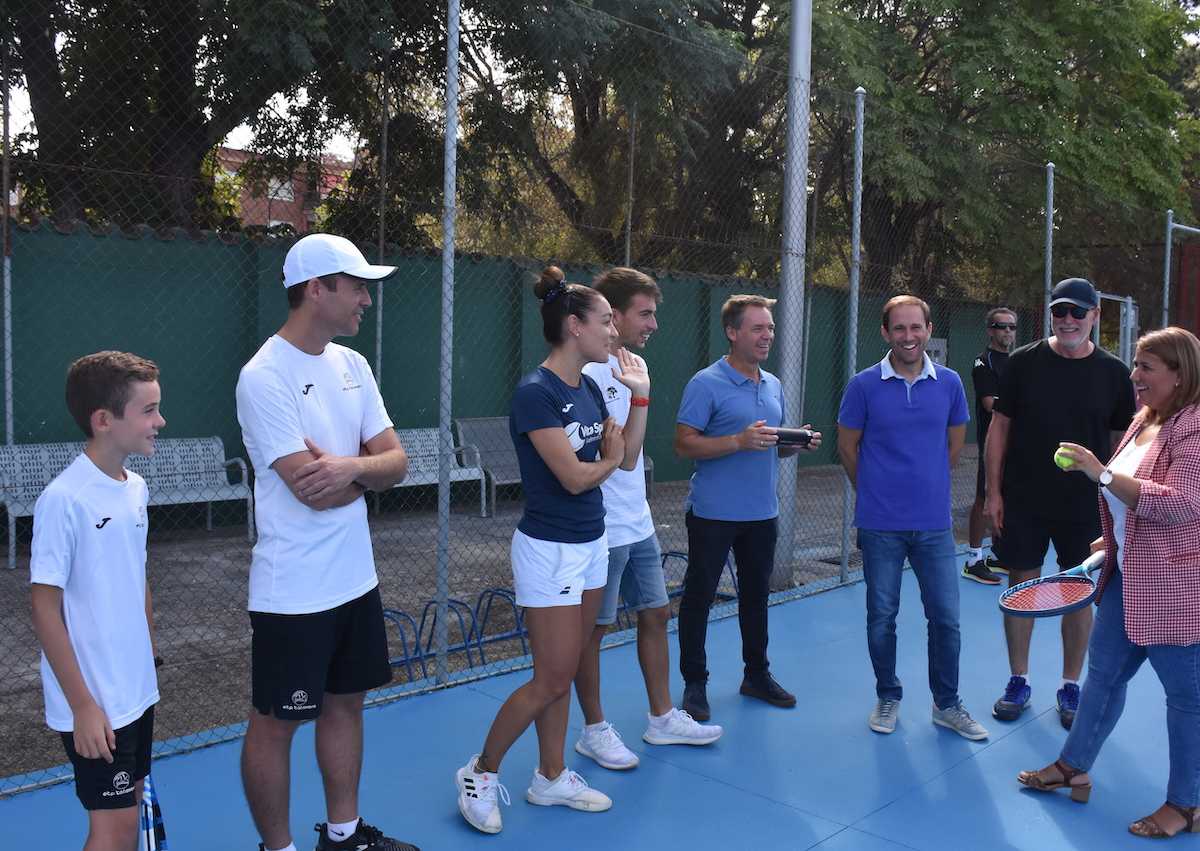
(154, 834)
(1047, 596)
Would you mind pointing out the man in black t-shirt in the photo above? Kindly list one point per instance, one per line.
(985, 376)
(1060, 389)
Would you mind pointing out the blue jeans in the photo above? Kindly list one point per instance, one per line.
(1112, 661)
(635, 575)
(931, 555)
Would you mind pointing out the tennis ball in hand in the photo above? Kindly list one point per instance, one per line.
(1062, 459)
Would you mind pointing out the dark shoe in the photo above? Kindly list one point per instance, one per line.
(695, 701)
(364, 838)
(1068, 704)
(994, 566)
(765, 688)
(978, 572)
(1015, 700)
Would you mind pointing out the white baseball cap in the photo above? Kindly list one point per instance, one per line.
(325, 254)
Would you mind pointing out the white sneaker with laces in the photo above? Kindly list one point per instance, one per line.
(677, 727)
(602, 743)
(957, 718)
(477, 793)
(567, 790)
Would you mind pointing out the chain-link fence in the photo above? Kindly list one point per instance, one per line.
(160, 159)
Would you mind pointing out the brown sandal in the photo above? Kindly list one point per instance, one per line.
(1079, 792)
(1151, 829)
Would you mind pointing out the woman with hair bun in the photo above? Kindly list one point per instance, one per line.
(566, 446)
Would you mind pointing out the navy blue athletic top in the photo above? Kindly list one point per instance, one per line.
(543, 400)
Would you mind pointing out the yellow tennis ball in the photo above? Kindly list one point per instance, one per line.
(1062, 459)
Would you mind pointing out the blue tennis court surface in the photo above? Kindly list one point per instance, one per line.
(812, 777)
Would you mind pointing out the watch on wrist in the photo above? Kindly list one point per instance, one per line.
(1106, 478)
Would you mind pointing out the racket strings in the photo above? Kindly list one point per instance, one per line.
(1051, 593)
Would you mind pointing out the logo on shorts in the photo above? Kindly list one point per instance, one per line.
(103, 522)
(566, 590)
(299, 702)
(122, 785)
(307, 387)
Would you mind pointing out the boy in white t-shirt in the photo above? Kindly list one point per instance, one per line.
(91, 602)
(318, 435)
(634, 561)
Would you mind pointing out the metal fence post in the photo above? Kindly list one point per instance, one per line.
(629, 187)
(791, 279)
(860, 96)
(383, 167)
(1049, 261)
(1166, 305)
(445, 384)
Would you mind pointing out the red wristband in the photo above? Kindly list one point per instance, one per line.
(640, 402)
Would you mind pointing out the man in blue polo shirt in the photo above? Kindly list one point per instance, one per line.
(901, 426)
(726, 424)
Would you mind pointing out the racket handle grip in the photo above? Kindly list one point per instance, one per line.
(1093, 562)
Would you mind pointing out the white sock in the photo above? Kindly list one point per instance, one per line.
(339, 831)
(974, 554)
(660, 719)
(291, 846)
(1025, 677)
(594, 728)
(1072, 682)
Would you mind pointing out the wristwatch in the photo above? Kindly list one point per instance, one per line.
(1106, 478)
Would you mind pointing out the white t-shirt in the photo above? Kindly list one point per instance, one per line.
(627, 517)
(89, 539)
(1126, 463)
(306, 560)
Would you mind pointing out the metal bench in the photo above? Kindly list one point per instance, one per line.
(421, 446)
(182, 471)
(495, 452)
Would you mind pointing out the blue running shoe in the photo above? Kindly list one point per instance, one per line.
(1068, 704)
(1015, 700)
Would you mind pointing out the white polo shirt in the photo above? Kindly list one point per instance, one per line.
(306, 560)
(627, 517)
(89, 539)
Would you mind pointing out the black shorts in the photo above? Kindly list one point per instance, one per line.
(1028, 531)
(296, 659)
(113, 786)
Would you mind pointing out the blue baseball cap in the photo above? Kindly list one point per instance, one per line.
(1077, 291)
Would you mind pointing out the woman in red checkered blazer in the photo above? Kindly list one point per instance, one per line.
(1149, 600)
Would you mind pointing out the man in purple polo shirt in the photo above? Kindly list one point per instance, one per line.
(726, 424)
(901, 426)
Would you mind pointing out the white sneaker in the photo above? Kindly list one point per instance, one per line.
(568, 790)
(603, 744)
(679, 728)
(477, 797)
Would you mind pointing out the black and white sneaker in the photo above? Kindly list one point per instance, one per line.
(364, 838)
(979, 572)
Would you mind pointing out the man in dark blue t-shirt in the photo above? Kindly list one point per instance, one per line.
(901, 426)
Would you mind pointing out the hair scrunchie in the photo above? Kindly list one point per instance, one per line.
(554, 292)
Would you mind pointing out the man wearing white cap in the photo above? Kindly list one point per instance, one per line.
(319, 436)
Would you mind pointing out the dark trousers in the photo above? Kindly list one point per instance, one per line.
(709, 542)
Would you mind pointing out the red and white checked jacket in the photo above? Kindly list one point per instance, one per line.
(1161, 550)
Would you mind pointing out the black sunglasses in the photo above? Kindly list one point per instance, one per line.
(1004, 326)
(1061, 310)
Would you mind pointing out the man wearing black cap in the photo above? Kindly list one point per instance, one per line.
(1060, 389)
(318, 434)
